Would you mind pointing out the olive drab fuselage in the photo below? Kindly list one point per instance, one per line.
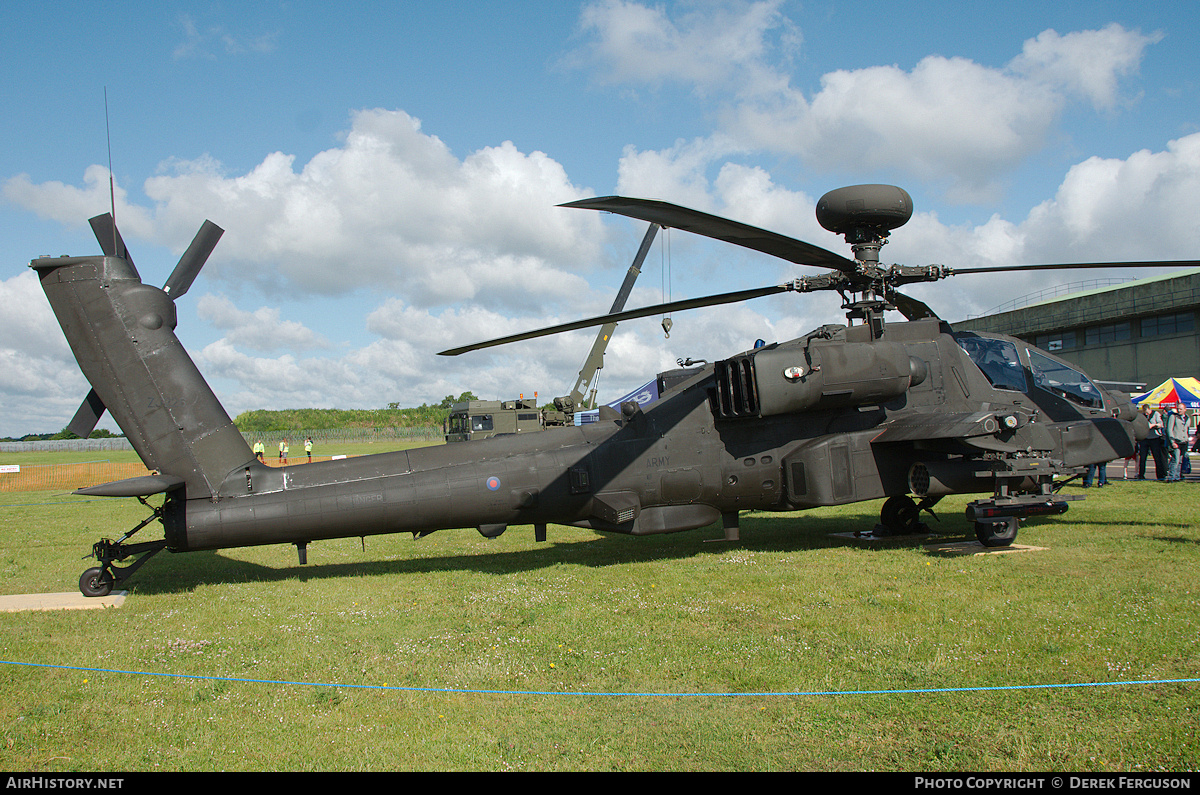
(908, 411)
(831, 418)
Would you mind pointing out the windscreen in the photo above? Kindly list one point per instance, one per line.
(997, 359)
(1064, 381)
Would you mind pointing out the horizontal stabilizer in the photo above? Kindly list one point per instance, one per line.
(142, 486)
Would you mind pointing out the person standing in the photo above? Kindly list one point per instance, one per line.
(283, 452)
(1153, 445)
(259, 449)
(1176, 443)
(1097, 472)
(308, 448)
(1185, 460)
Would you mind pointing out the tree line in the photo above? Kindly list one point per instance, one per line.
(265, 421)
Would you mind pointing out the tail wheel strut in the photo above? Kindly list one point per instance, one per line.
(100, 580)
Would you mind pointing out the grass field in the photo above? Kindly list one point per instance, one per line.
(790, 650)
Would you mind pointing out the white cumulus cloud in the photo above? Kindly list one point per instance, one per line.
(949, 121)
(391, 208)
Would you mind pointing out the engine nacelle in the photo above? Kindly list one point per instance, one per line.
(810, 377)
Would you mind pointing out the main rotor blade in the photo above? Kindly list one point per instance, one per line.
(618, 317)
(193, 260)
(1179, 263)
(735, 232)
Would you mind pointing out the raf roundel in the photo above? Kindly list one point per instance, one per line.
(493, 483)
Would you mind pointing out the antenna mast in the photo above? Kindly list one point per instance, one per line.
(112, 196)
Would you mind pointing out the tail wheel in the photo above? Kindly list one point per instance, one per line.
(96, 581)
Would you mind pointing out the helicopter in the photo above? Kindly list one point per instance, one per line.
(907, 412)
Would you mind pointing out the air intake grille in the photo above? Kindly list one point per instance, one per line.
(735, 393)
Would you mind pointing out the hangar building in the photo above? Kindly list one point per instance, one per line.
(1135, 333)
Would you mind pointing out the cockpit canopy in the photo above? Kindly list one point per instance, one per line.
(1011, 366)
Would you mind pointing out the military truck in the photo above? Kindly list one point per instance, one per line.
(482, 419)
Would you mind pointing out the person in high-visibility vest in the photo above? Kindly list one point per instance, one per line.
(308, 448)
(259, 449)
(283, 451)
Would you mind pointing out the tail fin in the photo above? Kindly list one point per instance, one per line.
(122, 334)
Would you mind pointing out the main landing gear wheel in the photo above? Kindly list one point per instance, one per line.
(900, 515)
(997, 534)
(95, 582)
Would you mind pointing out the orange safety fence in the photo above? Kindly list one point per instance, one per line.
(63, 477)
(68, 477)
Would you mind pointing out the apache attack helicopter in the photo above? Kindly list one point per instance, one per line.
(908, 411)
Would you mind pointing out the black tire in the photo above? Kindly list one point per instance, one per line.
(996, 534)
(95, 582)
(900, 515)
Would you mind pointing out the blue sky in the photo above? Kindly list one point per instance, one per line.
(387, 173)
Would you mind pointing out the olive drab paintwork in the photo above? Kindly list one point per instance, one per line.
(910, 411)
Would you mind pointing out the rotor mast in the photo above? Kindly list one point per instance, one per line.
(868, 309)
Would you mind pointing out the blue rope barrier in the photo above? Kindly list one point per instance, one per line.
(475, 691)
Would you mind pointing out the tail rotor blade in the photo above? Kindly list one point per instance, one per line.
(84, 421)
(193, 260)
(109, 237)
